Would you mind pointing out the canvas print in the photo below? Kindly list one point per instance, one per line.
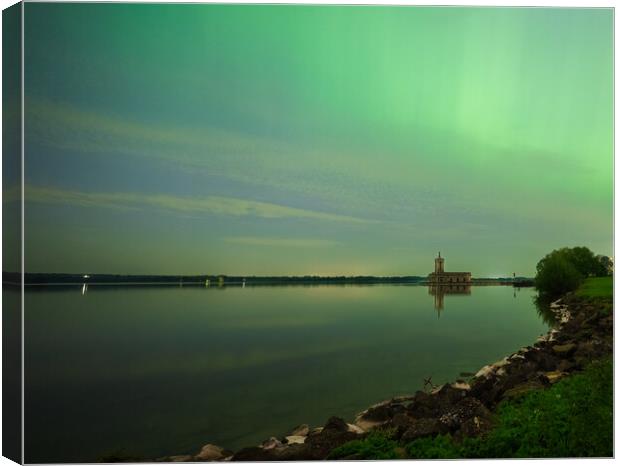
(306, 232)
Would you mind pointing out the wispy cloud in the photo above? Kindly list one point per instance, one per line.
(281, 242)
(217, 205)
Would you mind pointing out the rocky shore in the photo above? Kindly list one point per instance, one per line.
(584, 333)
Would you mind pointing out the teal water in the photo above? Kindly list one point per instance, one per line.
(158, 371)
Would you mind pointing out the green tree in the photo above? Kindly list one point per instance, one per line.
(556, 274)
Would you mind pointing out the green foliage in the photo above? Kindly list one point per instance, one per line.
(564, 269)
(378, 445)
(556, 275)
(597, 287)
(574, 418)
(440, 447)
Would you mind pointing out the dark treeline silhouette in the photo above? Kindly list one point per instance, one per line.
(60, 278)
(215, 280)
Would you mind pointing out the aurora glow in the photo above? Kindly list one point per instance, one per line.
(295, 140)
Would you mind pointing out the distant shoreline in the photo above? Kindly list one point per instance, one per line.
(42, 279)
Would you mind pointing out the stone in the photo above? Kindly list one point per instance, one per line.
(461, 386)
(423, 428)
(465, 409)
(423, 405)
(321, 444)
(522, 388)
(566, 365)
(211, 452)
(290, 439)
(564, 350)
(271, 443)
(474, 427)
(381, 412)
(253, 454)
(355, 429)
(554, 376)
(336, 424)
(303, 429)
(485, 372)
(180, 458)
(401, 422)
(542, 359)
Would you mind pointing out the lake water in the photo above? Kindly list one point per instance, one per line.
(155, 371)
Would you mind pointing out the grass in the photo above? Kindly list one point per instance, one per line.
(378, 445)
(573, 418)
(597, 287)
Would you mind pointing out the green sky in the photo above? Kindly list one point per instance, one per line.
(315, 140)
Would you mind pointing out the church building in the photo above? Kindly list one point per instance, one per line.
(440, 277)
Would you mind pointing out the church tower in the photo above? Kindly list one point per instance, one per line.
(439, 264)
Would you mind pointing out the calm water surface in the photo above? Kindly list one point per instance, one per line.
(158, 371)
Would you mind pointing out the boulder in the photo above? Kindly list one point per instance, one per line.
(426, 427)
(566, 365)
(554, 376)
(335, 433)
(423, 405)
(564, 350)
(355, 429)
(474, 427)
(291, 439)
(465, 409)
(271, 443)
(522, 388)
(180, 458)
(211, 452)
(336, 424)
(381, 412)
(303, 429)
(401, 422)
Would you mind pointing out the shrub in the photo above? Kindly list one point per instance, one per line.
(378, 445)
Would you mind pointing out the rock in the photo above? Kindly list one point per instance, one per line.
(566, 365)
(253, 454)
(564, 350)
(485, 372)
(423, 405)
(401, 422)
(355, 429)
(211, 452)
(465, 409)
(554, 376)
(303, 429)
(461, 386)
(290, 439)
(522, 388)
(336, 424)
(543, 359)
(425, 427)
(474, 427)
(180, 458)
(271, 443)
(332, 436)
(381, 412)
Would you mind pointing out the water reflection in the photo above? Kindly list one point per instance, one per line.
(439, 291)
(543, 308)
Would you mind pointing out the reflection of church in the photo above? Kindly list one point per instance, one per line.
(441, 283)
